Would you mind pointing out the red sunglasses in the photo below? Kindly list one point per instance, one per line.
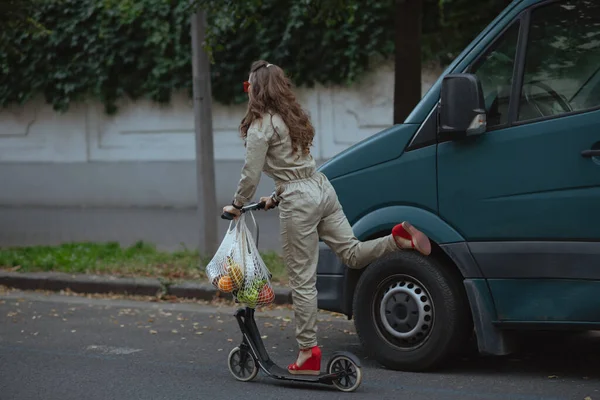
(246, 86)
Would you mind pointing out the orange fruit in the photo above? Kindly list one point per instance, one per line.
(226, 284)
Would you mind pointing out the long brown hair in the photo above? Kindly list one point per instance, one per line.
(271, 92)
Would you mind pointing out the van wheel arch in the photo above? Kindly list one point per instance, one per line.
(353, 275)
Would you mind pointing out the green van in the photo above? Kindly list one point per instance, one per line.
(499, 164)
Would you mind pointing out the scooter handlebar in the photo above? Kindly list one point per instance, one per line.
(249, 207)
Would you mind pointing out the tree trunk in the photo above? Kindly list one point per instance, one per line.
(205, 161)
(407, 74)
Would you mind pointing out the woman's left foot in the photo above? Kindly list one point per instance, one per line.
(409, 237)
(308, 362)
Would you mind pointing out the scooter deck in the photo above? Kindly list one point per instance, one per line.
(277, 372)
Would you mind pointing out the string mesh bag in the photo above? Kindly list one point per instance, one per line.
(238, 268)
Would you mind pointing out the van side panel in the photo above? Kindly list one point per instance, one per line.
(384, 185)
(565, 301)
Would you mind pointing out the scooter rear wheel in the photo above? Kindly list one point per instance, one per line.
(352, 372)
(242, 365)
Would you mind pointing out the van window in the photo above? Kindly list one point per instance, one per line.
(495, 71)
(562, 62)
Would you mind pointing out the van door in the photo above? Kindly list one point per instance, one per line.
(526, 194)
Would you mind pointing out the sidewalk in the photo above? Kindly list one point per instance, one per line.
(168, 229)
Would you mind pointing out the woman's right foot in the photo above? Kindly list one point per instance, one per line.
(308, 362)
(409, 237)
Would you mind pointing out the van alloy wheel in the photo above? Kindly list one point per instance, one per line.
(404, 311)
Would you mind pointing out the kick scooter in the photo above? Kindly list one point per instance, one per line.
(343, 369)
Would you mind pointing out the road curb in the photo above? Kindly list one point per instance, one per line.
(85, 283)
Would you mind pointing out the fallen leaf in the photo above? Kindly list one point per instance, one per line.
(153, 332)
(264, 337)
(587, 398)
(199, 333)
(230, 340)
(174, 331)
(268, 325)
(552, 376)
(150, 320)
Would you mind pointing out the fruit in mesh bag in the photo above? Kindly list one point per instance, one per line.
(266, 295)
(216, 280)
(235, 271)
(250, 294)
(226, 284)
(248, 298)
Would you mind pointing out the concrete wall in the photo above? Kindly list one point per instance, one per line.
(144, 155)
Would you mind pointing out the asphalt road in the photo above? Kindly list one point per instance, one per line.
(67, 347)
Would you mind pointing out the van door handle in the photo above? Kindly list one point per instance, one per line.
(590, 153)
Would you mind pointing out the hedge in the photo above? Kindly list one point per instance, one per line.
(108, 49)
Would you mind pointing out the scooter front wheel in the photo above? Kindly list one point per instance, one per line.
(242, 365)
(349, 369)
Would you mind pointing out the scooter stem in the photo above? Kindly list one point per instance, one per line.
(245, 318)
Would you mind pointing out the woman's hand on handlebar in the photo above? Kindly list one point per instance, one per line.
(269, 202)
(232, 210)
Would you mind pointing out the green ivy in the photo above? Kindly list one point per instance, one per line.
(110, 49)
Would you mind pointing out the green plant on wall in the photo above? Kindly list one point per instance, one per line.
(111, 49)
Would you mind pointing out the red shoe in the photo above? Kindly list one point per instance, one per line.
(405, 232)
(311, 366)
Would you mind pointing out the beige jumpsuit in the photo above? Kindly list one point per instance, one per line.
(309, 209)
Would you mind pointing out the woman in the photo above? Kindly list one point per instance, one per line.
(278, 135)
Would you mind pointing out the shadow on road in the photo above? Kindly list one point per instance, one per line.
(554, 354)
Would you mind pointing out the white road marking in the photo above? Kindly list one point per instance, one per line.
(112, 350)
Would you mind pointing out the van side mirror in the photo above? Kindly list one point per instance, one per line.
(461, 111)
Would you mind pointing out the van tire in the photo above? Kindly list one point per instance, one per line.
(406, 283)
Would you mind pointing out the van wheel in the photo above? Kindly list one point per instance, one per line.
(410, 312)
